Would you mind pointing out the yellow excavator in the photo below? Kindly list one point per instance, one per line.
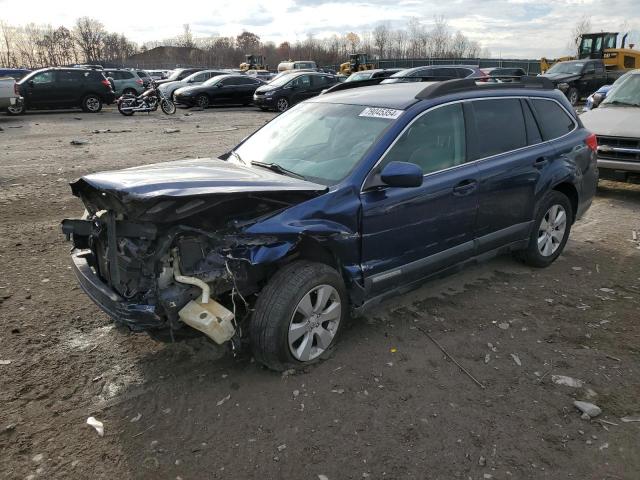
(605, 46)
(253, 62)
(357, 63)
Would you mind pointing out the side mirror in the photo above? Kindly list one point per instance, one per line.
(402, 175)
(597, 99)
(219, 85)
(31, 83)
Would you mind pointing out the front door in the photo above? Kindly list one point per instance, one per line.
(409, 233)
(41, 89)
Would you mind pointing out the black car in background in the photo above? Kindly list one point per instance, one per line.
(65, 88)
(504, 74)
(180, 74)
(372, 74)
(283, 92)
(436, 73)
(220, 90)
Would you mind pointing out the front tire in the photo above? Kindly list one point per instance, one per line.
(553, 220)
(91, 103)
(202, 101)
(168, 107)
(298, 316)
(16, 109)
(282, 104)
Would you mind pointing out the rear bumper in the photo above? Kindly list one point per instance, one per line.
(134, 315)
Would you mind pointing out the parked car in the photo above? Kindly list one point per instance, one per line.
(179, 74)
(371, 74)
(264, 75)
(596, 97)
(144, 75)
(219, 90)
(65, 88)
(156, 74)
(436, 72)
(282, 93)
(504, 74)
(15, 73)
(616, 122)
(10, 100)
(579, 78)
(196, 78)
(330, 208)
(125, 82)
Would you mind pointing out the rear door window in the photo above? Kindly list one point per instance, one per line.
(434, 142)
(499, 127)
(552, 118)
(463, 72)
(68, 77)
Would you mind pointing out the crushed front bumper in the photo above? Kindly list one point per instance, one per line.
(136, 316)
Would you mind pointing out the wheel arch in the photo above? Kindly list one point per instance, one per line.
(571, 192)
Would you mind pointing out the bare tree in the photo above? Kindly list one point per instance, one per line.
(186, 39)
(353, 40)
(381, 36)
(581, 26)
(89, 34)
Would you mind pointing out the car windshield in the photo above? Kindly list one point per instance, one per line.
(626, 92)
(354, 77)
(278, 82)
(321, 142)
(566, 67)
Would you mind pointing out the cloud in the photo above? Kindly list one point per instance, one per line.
(509, 28)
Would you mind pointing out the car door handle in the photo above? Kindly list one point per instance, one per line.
(465, 187)
(540, 162)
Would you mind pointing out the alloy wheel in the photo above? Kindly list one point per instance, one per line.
(551, 230)
(93, 104)
(282, 104)
(314, 323)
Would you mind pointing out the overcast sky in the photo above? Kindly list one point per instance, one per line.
(508, 28)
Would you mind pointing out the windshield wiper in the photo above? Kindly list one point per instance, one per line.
(274, 167)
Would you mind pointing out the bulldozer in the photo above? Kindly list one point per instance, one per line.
(253, 62)
(357, 63)
(605, 46)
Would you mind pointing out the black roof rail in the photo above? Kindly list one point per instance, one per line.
(468, 84)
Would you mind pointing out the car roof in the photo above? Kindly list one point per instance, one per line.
(395, 95)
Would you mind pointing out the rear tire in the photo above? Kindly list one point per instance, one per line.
(282, 336)
(552, 225)
(126, 113)
(91, 103)
(573, 96)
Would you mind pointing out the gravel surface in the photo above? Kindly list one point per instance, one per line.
(388, 404)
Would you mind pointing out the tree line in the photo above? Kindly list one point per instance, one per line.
(88, 41)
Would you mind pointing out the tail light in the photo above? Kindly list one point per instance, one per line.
(592, 142)
(139, 81)
(16, 89)
(106, 83)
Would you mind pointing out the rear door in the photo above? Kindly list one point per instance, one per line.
(409, 233)
(506, 144)
(69, 86)
(246, 87)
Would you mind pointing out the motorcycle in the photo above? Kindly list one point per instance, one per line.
(148, 101)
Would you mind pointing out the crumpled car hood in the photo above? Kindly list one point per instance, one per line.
(613, 121)
(191, 178)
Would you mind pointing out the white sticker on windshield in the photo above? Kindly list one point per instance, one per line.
(377, 112)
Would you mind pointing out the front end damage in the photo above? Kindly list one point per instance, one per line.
(157, 264)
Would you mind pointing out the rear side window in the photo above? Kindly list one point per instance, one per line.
(463, 72)
(552, 118)
(434, 142)
(533, 132)
(499, 127)
(70, 76)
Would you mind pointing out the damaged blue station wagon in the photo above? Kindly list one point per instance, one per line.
(331, 207)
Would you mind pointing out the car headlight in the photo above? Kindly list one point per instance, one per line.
(563, 86)
(268, 94)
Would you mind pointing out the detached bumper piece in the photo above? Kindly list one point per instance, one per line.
(135, 316)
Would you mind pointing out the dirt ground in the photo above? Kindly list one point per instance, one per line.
(388, 404)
